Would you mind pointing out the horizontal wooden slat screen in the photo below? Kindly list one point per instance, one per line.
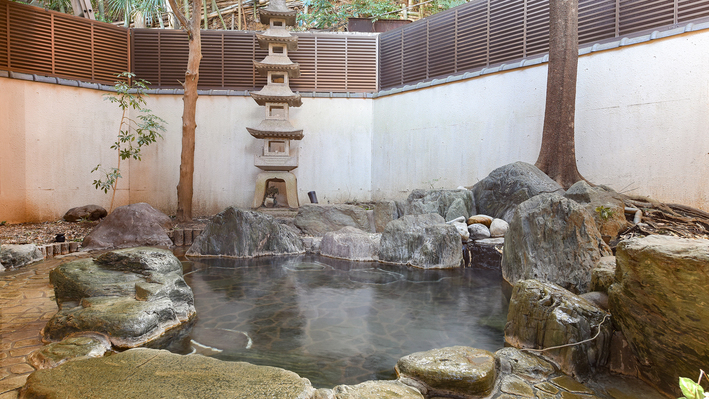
(328, 62)
(33, 40)
(481, 33)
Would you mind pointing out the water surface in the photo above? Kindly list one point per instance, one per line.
(338, 322)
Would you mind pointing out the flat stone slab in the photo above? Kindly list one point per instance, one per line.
(376, 390)
(149, 373)
(73, 348)
(454, 371)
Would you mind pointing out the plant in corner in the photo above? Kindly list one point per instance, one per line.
(133, 134)
(691, 389)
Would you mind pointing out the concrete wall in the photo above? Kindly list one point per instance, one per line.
(642, 124)
(52, 136)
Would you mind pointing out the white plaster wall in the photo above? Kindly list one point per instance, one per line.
(642, 124)
(454, 135)
(52, 136)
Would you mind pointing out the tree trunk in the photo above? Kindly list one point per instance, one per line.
(557, 157)
(185, 187)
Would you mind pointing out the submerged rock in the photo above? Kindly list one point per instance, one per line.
(245, 234)
(659, 303)
(350, 243)
(455, 371)
(150, 373)
(506, 187)
(132, 296)
(554, 239)
(130, 226)
(424, 241)
(316, 220)
(13, 256)
(543, 315)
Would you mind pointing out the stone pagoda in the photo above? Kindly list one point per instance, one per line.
(278, 157)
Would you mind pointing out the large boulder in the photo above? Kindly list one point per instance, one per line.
(316, 220)
(544, 315)
(150, 373)
(128, 226)
(86, 212)
(659, 303)
(424, 241)
(604, 204)
(506, 187)
(244, 234)
(350, 243)
(457, 371)
(555, 239)
(133, 296)
(450, 204)
(13, 256)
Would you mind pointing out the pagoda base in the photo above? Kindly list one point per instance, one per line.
(286, 177)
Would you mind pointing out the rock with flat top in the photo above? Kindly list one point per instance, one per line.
(424, 241)
(350, 243)
(149, 373)
(132, 296)
(72, 348)
(376, 390)
(659, 303)
(451, 372)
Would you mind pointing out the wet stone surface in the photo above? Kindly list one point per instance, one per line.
(338, 322)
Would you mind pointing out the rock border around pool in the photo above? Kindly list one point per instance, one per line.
(454, 372)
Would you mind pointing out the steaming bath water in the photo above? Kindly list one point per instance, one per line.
(338, 322)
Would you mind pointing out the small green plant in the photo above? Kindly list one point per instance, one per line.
(604, 212)
(691, 389)
(4, 222)
(431, 183)
(133, 134)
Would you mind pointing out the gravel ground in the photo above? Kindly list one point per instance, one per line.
(44, 233)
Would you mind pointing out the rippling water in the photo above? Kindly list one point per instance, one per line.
(338, 322)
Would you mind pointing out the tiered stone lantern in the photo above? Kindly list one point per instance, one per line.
(278, 157)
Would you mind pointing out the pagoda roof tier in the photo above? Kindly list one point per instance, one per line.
(277, 94)
(263, 67)
(277, 36)
(276, 129)
(272, 12)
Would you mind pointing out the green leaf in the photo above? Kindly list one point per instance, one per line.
(691, 389)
